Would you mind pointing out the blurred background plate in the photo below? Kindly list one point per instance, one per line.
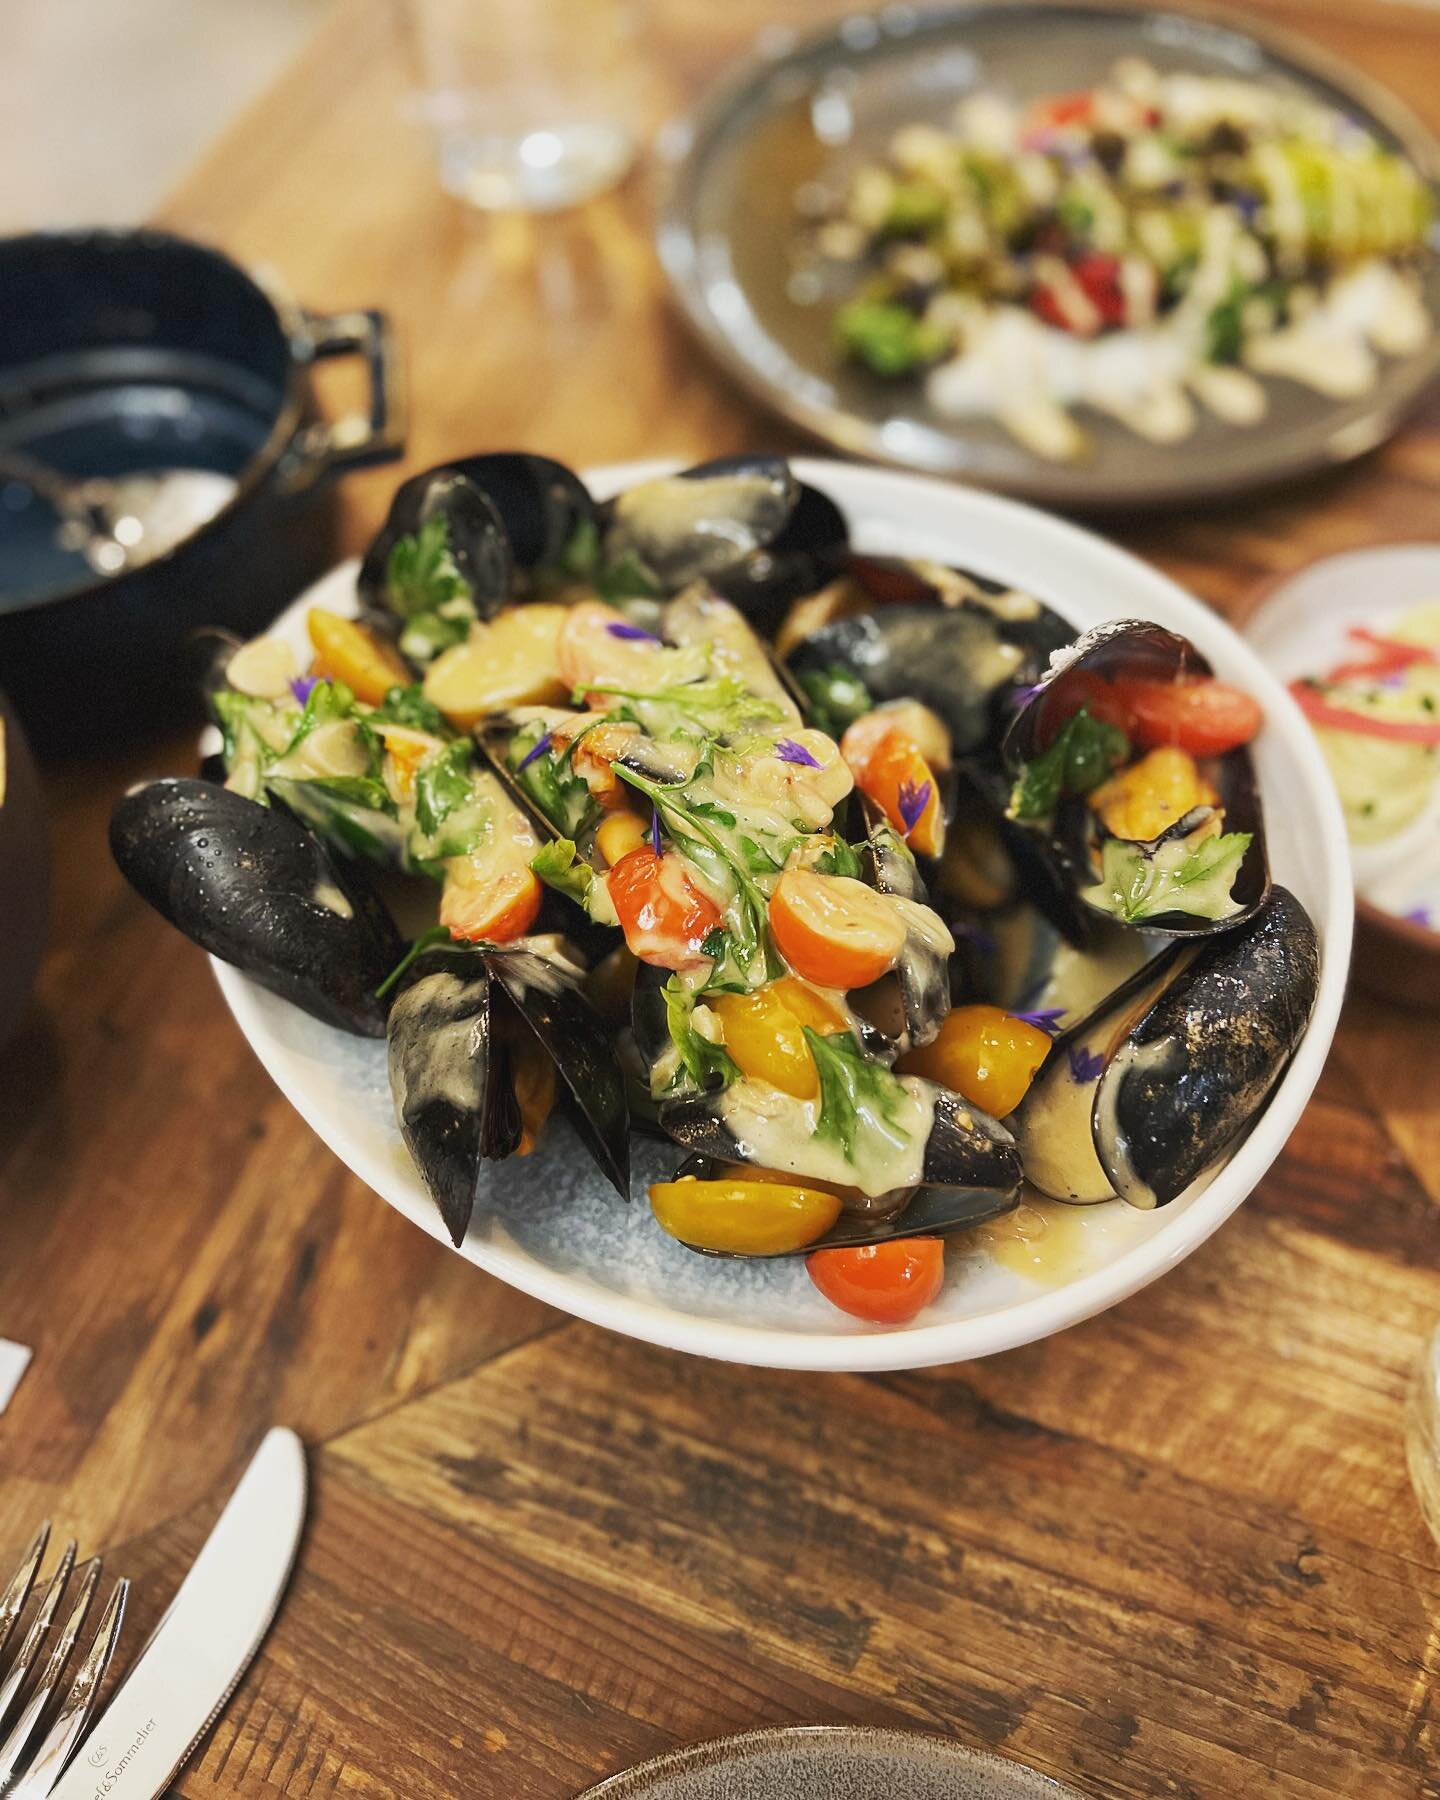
(727, 224)
(831, 1762)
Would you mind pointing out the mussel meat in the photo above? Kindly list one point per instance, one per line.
(1156, 1084)
(476, 1041)
(250, 885)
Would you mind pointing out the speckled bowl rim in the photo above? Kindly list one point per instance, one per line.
(632, 1784)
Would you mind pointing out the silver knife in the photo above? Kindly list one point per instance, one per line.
(206, 1640)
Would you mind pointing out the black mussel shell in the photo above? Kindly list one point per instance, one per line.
(448, 1080)
(697, 524)
(209, 651)
(476, 533)
(809, 551)
(928, 1213)
(1063, 850)
(922, 976)
(574, 1036)
(250, 885)
(965, 661)
(649, 1020)
(543, 505)
(1175, 1065)
(966, 1147)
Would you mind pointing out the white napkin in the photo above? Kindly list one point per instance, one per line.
(13, 1361)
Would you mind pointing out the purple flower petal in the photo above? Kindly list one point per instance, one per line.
(913, 801)
(1420, 915)
(538, 748)
(303, 686)
(1022, 696)
(1085, 1065)
(655, 830)
(789, 751)
(978, 936)
(1043, 1018)
(632, 634)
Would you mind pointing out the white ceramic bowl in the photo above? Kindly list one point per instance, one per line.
(562, 1235)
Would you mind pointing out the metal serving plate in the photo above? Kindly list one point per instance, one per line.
(811, 109)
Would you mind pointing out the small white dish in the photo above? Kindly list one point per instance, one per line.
(562, 1234)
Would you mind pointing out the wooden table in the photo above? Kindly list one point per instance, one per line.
(1170, 1552)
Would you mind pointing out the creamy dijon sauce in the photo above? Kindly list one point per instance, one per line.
(1049, 1241)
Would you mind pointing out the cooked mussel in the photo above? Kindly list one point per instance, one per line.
(694, 525)
(1069, 842)
(963, 1148)
(473, 553)
(476, 1041)
(250, 885)
(1153, 1087)
(925, 1214)
(963, 652)
(548, 514)
(908, 1005)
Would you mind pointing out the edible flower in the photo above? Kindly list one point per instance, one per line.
(303, 686)
(791, 752)
(1085, 1065)
(913, 799)
(538, 748)
(655, 830)
(1043, 1018)
(632, 634)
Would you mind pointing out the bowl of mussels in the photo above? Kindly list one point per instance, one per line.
(796, 913)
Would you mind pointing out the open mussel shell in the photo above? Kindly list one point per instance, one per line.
(702, 522)
(250, 885)
(920, 981)
(544, 507)
(451, 1079)
(963, 657)
(808, 551)
(1153, 1087)
(1066, 849)
(478, 543)
(966, 1148)
(928, 1213)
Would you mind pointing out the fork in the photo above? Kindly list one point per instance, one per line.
(31, 1764)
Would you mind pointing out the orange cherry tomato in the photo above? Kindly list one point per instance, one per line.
(885, 1284)
(494, 911)
(1204, 717)
(350, 652)
(746, 1212)
(900, 781)
(765, 1035)
(987, 1056)
(664, 915)
(833, 930)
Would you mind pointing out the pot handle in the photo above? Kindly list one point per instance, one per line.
(356, 440)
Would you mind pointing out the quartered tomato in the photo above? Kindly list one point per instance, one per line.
(747, 1212)
(833, 930)
(984, 1054)
(1204, 717)
(493, 910)
(350, 652)
(665, 916)
(886, 1284)
(892, 770)
(764, 1033)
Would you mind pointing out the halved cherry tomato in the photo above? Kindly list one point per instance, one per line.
(664, 915)
(833, 930)
(984, 1054)
(753, 1212)
(350, 652)
(764, 1033)
(887, 1284)
(900, 781)
(1205, 717)
(494, 910)
(618, 833)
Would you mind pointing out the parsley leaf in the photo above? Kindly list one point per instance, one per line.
(421, 574)
(854, 1092)
(1082, 756)
(558, 866)
(840, 859)
(708, 1065)
(408, 706)
(1181, 876)
(442, 784)
(836, 699)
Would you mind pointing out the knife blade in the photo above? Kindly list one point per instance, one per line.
(205, 1642)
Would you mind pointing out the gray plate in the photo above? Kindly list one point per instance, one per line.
(831, 1762)
(727, 226)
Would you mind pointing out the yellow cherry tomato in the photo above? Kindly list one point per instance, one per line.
(984, 1054)
(1143, 800)
(350, 652)
(764, 1033)
(617, 834)
(755, 1213)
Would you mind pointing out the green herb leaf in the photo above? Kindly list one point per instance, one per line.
(559, 867)
(888, 337)
(836, 699)
(408, 706)
(840, 859)
(550, 781)
(1180, 876)
(855, 1092)
(443, 783)
(708, 1065)
(421, 574)
(582, 552)
(1083, 755)
(627, 579)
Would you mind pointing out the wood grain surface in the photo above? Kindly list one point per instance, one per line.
(1172, 1551)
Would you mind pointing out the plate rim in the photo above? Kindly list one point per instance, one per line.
(677, 250)
(621, 1785)
(1034, 1316)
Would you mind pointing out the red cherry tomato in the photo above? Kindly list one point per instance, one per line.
(1204, 717)
(1099, 278)
(664, 915)
(885, 1284)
